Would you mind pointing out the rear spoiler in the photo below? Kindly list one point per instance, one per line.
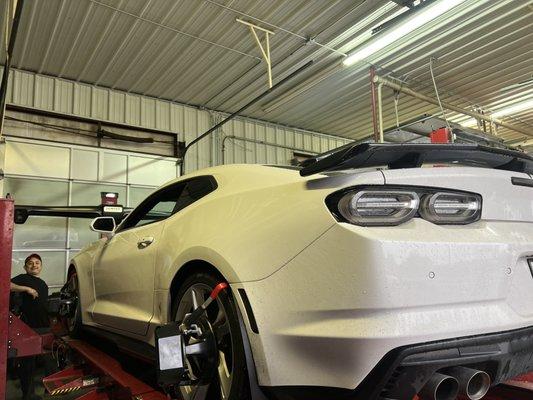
(395, 156)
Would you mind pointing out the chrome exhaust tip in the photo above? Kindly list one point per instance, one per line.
(473, 384)
(440, 387)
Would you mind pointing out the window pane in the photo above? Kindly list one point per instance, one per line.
(41, 233)
(37, 192)
(138, 194)
(88, 194)
(156, 208)
(195, 190)
(54, 264)
(80, 233)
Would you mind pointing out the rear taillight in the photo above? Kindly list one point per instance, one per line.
(385, 205)
(369, 207)
(451, 208)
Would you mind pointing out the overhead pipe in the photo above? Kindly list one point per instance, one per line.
(280, 146)
(380, 113)
(374, 101)
(9, 56)
(401, 88)
(236, 113)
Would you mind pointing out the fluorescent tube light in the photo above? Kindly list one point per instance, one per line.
(502, 112)
(427, 14)
(515, 108)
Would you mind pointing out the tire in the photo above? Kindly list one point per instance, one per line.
(222, 314)
(73, 321)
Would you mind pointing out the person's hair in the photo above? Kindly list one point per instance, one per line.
(34, 255)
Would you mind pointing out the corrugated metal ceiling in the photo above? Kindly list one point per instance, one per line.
(194, 52)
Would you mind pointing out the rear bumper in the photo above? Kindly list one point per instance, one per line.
(333, 312)
(402, 372)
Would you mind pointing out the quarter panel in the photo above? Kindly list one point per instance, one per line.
(250, 231)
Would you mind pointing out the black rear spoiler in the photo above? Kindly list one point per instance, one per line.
(395, 156)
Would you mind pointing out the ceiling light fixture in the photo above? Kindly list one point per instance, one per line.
(427, 14)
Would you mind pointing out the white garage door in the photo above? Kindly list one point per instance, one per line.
(39, 173)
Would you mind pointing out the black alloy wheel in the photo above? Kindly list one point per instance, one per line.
(230, 381)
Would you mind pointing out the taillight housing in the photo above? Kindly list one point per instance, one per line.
(450, 208)
(372, 207)
(394, 205)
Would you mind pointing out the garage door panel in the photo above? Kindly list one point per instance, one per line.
(37, 160)
(150, 171)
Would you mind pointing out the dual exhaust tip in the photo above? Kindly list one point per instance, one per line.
(470, 383)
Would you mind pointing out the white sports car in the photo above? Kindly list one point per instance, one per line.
(374, 272)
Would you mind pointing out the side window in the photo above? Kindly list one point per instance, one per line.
(195, 190)
(168, 201)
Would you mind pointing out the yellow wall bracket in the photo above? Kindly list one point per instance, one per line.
(265, 50)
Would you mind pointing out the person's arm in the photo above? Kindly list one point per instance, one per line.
(24, 289)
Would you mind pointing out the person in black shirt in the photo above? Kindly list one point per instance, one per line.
(34, 312)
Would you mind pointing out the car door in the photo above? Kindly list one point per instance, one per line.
(124, 269)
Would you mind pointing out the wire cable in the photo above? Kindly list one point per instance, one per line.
(396, 101)
(438, 97)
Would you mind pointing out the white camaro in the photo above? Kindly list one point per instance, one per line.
(375, 272)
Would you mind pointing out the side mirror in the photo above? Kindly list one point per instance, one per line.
(103, 224)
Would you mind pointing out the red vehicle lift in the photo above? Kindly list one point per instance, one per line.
(7, 210)
(91, 367)
(99, 374)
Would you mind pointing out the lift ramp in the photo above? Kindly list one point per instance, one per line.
(100, 375)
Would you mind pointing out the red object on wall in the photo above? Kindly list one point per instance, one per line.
(109, 198)
(441, 135)
(6, 246)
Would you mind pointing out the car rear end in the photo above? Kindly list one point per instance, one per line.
(430, 271)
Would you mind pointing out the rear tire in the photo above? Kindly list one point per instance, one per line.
(231, 381)
(73, 321)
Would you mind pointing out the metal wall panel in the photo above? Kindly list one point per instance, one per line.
(44, 92)
(147, 112)
(23, 89)
(133, 110)
(82, 100)
(104, 104)
(100, 103)
(63, 96)
(117, 106)
(162, 115)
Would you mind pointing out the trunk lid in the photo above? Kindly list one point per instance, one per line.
(503, 200)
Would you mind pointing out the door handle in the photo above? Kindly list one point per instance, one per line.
(145, 242)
